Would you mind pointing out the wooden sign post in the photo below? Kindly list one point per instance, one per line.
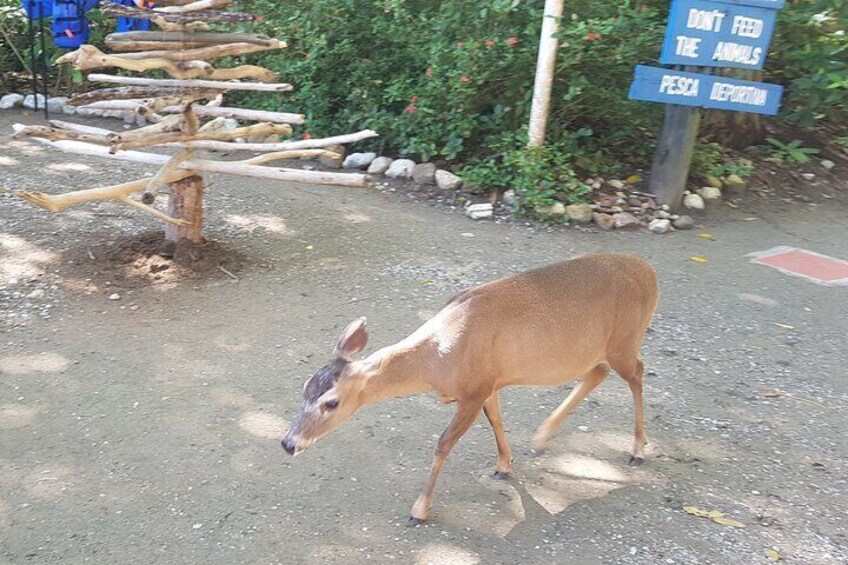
(704, 33)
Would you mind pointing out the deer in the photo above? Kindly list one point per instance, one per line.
(570, 321)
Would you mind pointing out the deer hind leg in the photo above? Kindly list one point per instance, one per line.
(492, 409)
(632, 371)
(467, 412)
(587, 384)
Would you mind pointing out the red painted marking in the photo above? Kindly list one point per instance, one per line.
(805, 263)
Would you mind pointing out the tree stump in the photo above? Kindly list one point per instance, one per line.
(186, 203)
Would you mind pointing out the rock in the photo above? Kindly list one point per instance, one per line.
(10, 101)
(616, 184)
(579, 214)
(714, 181)
(509, 197)
(662, 214)
(89, 112)
(479, 211)
(710, 193)
(446, 180)
(401, 168)
(56, 104)
(733, 184)
(424, 173)
(827, 164)
(808, 176)
(693, 201)
(379, 165)
(358, 160)
(604, 221)
(660, 226)
(684, 223)
(557, 209)
(36, 294)
(634, 202)
(230, 123)
(625, 220)
(333, 163)
(30, 101)
(114, 296)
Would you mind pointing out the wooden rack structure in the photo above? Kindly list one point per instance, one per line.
(184, 111)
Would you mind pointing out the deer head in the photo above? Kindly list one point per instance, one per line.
(333, 393)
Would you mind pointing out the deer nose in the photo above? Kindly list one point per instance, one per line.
(287, 445)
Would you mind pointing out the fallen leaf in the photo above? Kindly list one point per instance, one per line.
(699, 259)
(715, 514)
(751, 219)
(768, 393)
(705, 235)
(784, 326)
(695, 511)
(731, 204)
(772, 554)
(724, 521)
(310, 247)
(633, 179)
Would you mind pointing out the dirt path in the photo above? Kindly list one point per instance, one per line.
(146, 429)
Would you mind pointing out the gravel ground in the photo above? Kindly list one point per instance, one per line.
(146, 429)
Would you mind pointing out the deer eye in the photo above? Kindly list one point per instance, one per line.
(330, 404)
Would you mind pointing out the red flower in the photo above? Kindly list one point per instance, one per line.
(429, 72)
(307, 136)
(459, 44)
(490, 43)
(464, 79)
(593, 36)
(414, 99)
(513, 41)
(411, 108)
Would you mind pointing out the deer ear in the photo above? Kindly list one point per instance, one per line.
(352, 341)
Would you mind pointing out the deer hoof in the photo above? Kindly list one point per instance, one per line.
(635, 461)
(501, 475)
(413, 521)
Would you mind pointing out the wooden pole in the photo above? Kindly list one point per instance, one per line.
(545, 66)
(673, 154)
(186, 203)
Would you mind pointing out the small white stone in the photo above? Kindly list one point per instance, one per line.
(379, 165)
(827, 164)
(401, 168)
(693, 201)
(479, 211)
(36, 294)
(616, 184)
(197, 526)
(446, 180)
(114, 296)
(660, 225)
(709, 193)
(808, 176)
(583, 428)
(358, 160)
(10, 101)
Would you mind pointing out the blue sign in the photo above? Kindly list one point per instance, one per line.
(654, 84)
(708, 33)
(770, 4)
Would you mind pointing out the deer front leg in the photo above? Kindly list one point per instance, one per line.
(467, 412)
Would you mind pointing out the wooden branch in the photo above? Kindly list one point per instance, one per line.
(197, 6)
(175, 17)
(209, 52)
(191, 27)
(129, 92)
(301, 154)
(197, 84)
(250, 72)
(68, 126)
(153, 45)
(167, 172)
(180, 38)
(169, 124)
(204, 165)
(55, 134)
(282, 146)
(256, 130)
(119, 192)
(216, 124)
(89, 57)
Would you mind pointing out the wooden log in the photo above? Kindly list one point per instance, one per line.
(281, 146)
(89, 57)
(186, 203)
(176, 18)
(129, 92)
(190, 27)
(152, 45)
(197, 84)
(69, 126)
(256, 130)
(169, 124)
(204, 165)
(178, 37)
(197, 6)
(55, 134)
(209, 52)
(203, 111)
